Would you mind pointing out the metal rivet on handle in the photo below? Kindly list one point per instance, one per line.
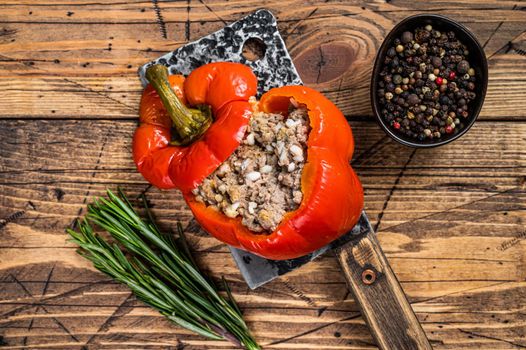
(368, 276)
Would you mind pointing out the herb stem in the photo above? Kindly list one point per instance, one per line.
(159, 270)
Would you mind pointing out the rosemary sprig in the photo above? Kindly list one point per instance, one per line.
(159, 270)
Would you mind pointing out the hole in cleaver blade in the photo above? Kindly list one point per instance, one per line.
(273, 69)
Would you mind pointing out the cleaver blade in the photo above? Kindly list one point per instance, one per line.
(257, 270)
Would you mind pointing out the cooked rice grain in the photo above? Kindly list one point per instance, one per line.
(261, 180)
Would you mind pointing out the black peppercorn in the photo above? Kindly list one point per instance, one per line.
(394, 63)
(407, 37)
(444, 100)
(413, 99)
(436, 61)
(463, 67)
(428, 95)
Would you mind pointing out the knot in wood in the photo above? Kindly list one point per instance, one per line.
(326, 62)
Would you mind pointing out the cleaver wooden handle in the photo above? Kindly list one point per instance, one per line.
(380, 297)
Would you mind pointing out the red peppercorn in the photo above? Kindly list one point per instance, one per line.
(452, 75)
(449, 129)
(439, 80)
(396, 125)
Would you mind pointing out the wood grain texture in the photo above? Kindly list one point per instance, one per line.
(451, 220)
(452, 228)
(382, 302)
(81, 57)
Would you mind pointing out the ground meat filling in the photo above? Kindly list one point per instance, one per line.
(261, 180)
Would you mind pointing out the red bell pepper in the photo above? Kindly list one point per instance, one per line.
(200, 146)
(332, 194)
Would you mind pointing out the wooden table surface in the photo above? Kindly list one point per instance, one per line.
(451, 220)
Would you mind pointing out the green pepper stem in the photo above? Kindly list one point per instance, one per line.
(189, 123)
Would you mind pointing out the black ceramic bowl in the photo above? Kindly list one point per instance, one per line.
(476, 59)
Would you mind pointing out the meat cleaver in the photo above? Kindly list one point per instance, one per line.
(373, 284)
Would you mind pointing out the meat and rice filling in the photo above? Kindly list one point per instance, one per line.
(261, 180)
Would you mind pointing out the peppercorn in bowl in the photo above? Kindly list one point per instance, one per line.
(429, 81)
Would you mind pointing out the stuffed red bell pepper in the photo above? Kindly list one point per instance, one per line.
(271, 177)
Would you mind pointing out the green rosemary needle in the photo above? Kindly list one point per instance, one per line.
(159, 270)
